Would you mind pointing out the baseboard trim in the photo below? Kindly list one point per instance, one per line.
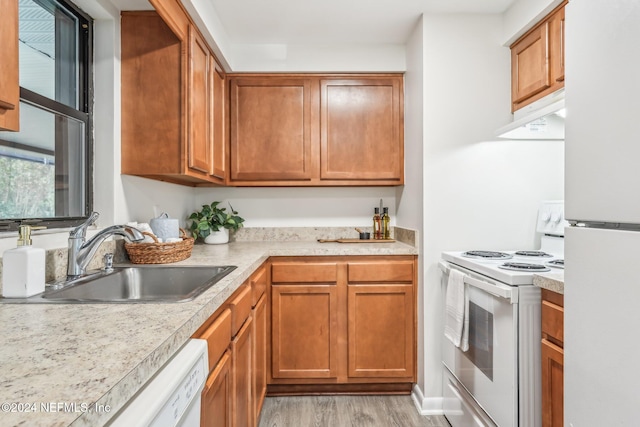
(426, 405)
(319, 389)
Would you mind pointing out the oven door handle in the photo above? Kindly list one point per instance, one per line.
(496, 289)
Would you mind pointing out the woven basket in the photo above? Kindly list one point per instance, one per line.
(160, 253)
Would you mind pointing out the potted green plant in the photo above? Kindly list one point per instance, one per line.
(213, 223)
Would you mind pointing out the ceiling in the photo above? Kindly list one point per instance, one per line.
(304, 22)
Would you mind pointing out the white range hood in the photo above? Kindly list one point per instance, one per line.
(543, 119)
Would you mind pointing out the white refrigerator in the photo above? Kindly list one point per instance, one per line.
(602, 193)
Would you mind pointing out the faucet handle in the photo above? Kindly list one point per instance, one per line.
(81, 230)
(108, 262)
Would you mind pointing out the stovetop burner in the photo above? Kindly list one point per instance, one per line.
(534, 254)
(523, 266)
(557, 263)
(486, 255)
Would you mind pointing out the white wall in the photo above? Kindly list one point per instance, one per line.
(319, 58)
(303, 207)
(292, 58)
(409, 198)
(478, 192)
(523, 15)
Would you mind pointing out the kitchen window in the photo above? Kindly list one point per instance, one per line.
(45, 169)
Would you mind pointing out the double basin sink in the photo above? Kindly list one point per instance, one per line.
(151, 284)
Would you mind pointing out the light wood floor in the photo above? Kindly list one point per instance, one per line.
(345, 411)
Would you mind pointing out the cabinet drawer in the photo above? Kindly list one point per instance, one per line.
(384, 271)
(258, 285)
(553, 320)
(218, 337)
(240, 309)
(304, 272)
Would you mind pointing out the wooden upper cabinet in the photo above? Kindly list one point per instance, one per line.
(530, 59)
(537, 61)
(169, 117)
(200, 105)
(557, 45)
(361, 129)
(217, 121)
(270, 129)
(9, 74)
(316, 130)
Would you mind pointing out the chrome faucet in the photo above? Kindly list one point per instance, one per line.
(81, 251)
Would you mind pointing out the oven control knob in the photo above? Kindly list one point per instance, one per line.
(546, 216)
(556, 217)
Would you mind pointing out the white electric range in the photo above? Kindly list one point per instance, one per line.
(496, 382)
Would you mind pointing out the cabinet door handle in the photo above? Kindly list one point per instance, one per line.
(7, 105)
(560, 79)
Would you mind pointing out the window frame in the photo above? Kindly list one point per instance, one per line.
(84, 113)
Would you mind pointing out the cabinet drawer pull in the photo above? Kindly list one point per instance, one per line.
(7, 105)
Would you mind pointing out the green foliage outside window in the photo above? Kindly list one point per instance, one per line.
(26, 189)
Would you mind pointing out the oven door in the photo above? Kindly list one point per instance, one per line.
(488, 369)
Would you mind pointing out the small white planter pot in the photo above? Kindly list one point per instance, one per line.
(218, 237)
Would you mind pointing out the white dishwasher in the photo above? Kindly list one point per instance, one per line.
(172, 397)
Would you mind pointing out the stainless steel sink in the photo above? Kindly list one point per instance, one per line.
(134, 285)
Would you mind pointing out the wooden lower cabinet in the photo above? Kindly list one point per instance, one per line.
(304, 337)
(243, 410)
(552, 352)
(381, 331)
(343, 324)
(216, 396)
(236, 336)
(259, 355)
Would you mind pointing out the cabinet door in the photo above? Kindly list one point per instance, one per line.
(552, 385)
(218, 120)
(241, 350)
(530, 72)
(216, 396)
(361, 132)
(260, 355)
(218, 336)
(381, 331)
(199, 141)
(9, 77)
(304, 331)
(557, 47)
(270, 129)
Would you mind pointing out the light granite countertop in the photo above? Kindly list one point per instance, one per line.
(553, 281)
(57, 359)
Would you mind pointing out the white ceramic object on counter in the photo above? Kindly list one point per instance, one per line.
(164, 227)
(217, 237)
